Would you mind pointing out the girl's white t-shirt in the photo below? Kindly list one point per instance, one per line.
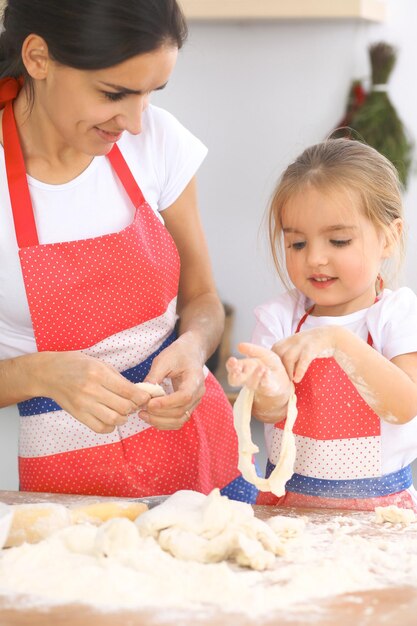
(392, 322)
(162, 158)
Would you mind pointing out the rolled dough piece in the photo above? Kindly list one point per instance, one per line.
(100, 512)
(284, 469)
(33, 522)
(154, 390)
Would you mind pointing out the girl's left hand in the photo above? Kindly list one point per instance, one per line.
(182, 363)
(299, 350)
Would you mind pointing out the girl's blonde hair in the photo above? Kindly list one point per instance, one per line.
(352, 166)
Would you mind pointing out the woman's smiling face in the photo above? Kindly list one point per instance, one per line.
(88, 110)
(333, 252)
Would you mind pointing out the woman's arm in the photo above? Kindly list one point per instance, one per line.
(88, 389)
(201, 318)
(200, 310)
(389, 387)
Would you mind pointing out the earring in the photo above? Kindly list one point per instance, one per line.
(379, 284)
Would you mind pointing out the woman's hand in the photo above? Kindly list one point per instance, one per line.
(93, 392)
(182, 363)
(263, 372)
(299, 350)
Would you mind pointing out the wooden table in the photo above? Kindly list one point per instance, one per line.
(388, 607)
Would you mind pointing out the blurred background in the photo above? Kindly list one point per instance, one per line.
(257, 92)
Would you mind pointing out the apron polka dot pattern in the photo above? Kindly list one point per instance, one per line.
(111, 287)
(329, 407)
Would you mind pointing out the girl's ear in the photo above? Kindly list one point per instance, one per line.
(35, 56)
(392, 238)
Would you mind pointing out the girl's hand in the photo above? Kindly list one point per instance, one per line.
(299, 350)
(264, 373)
(95, 393)
(182, 362)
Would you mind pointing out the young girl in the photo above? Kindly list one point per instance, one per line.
(348, 344)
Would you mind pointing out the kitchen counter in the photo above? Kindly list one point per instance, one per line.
(394, 606)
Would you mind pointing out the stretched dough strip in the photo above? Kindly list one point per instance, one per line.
(284, 469)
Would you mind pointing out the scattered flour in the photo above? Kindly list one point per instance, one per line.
(115, 566)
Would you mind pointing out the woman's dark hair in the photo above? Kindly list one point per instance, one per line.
(89, 34)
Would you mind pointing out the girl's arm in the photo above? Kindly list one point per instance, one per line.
(389, 387)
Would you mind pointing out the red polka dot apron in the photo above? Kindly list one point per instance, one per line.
(112, 297)
(338, 442)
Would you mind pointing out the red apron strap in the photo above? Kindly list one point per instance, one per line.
(24, 220)
(125, 175)
(303, 319)
(307, 313)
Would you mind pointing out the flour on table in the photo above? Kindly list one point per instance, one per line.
(121, 563)
(284, 469)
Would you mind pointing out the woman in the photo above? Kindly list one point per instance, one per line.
(90, 272)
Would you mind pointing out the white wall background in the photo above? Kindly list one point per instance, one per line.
(257, 94)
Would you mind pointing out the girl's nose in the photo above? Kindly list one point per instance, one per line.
(316, 256)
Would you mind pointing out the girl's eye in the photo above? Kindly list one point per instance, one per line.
(298, 245)
(114, 96)
(339, 243)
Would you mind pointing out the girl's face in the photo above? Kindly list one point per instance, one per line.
(333, 252)
(88, 110)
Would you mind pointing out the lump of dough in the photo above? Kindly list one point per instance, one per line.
(6, 515)
(395, 515)
(209, 529)
(100, 512)
(33, 522)
(116, 537)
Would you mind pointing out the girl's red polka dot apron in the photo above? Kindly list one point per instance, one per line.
(338, 441)
(112, 297)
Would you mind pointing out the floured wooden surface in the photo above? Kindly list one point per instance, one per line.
(337, 553)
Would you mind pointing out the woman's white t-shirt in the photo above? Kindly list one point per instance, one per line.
(392, 322)
(162, 158)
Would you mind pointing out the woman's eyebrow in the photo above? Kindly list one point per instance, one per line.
(126, 90)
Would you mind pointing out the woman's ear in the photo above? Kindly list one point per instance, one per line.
(35, 56)
(393, 236)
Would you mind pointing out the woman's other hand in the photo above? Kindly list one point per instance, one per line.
(181, 362)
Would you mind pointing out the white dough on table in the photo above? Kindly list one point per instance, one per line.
(209, 529)
(284, 469)
(395, 515)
